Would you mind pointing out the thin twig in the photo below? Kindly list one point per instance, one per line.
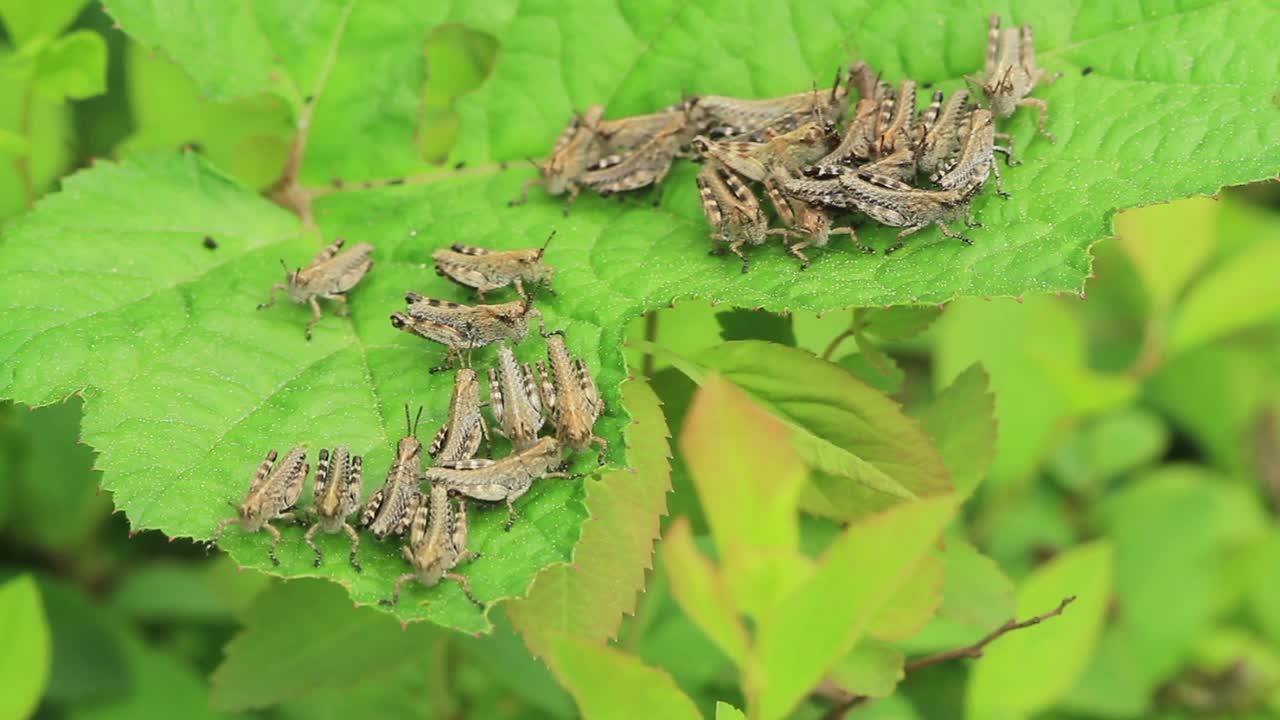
(972, 651)
(650, 334)
(836, 342)
(22, 163)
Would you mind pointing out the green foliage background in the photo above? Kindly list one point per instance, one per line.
(1122, 450)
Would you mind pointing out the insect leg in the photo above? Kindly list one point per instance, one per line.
(395, 591)
(316, 314)
(275, 540)
(355, 546)
(735, 247)
(217, 533)
(524, 192)
(511, 514)
(271, 299)
(1042, 118)
(898, 245)
(952, 234)
(311, 543)
(466, 588)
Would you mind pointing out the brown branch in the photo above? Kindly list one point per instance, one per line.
(970, 651)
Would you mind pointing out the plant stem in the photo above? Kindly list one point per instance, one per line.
(650, 335)
(22, 163)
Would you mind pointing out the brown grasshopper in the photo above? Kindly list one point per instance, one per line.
(272, 495)
(629, 133)
(645, 165)
(858, 146)
(486, 270)
(339, 478)
(810, 224)
(897, 120)
(514, 399)
(464, 327)
(572, 399)
(502, 480)
(977, 158)
(889, 202)
(941, 131)
(437, 543)
(330, 276)
(733, 210)
(718, 116)
(1010, 73)
(459, 437)
(390, 509)
(577, 147)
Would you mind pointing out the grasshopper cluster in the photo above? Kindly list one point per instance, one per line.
(888, 161)
(425, 494)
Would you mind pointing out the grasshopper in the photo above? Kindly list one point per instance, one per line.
(330, 276)
(941, 131)
(1010, 73)
(647, 164)
(459, 437)
(858, 145)
(390, 509)
(501, 480)
(437, 543)
(977, 158)
(810, 224)
(733, 210)
(889, 202)
(485, 270)
(720, 117)
(577, 147)
(629, 133)
(464, 327)
(897, 120)
(272, 495)
(339, 478)
(514, 399)
(572, 399)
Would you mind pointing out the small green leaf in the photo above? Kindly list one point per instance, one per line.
(725, 711)
(616, 547)
(741, 324)
(700, 590)
(504, 659)
(73, 67)
(1237, 294)
(88, 657)
(1007, 338)
(748, 484)
(27, 20)
(1264, 587)
(1027, 670)
(899, 323)
(607, 683)
(855, 577)
(304, 636)
(1166, 267)
(405, 691)
(170, 592)
(961, 421)
(24, 647)
(884, 374)
(1109, 447)
(864, 452)
(872, 668)
(977, 598)
(913, 605)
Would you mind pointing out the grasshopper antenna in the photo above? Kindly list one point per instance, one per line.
(408, 426)
(415, 419)
(545, 244)
(534, 163)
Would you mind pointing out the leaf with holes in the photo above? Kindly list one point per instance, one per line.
(186, 387)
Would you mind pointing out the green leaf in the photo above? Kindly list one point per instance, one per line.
(701, 591)
(748, 485)
(1166, 267)
(72, 67)
(26, 20)
(1235, 295)
(458, 60)
(864, 452)
(977, 597)
(248, 138)
(304, 636)
(88, 656)
(899, 323)
(24, 647)
(1006, 338)
(1029, 669)
(741, 324)
(170, 592)
(1264, 588)
(503, 658)
(13, 144)
(913, 605)
(849, 586)
(588, 600)
(961, 421)
(725, 711)
(884, 374)
(1110, 447)
(404, 692)
(872, 669)
(49, 133)
(607, 683)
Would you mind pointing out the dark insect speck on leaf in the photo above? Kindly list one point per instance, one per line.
(926, 86)
(459, 165)
(1086, 70)
(502, 165)
(194, 147)
(210, 243)
(310, 99)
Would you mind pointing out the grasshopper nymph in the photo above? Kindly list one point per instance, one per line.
(272, 495)
(464, 327)
(578, 147)
(437, 543)
(1010, 73)
(339, 478)
(330, 276)
(514, 399)
(572, 399)
(459, 437)
(486, 270)
(502, 480)
(733, 211)
(390, 509)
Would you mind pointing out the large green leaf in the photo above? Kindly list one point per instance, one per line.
(187, 387)
(608, 683)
